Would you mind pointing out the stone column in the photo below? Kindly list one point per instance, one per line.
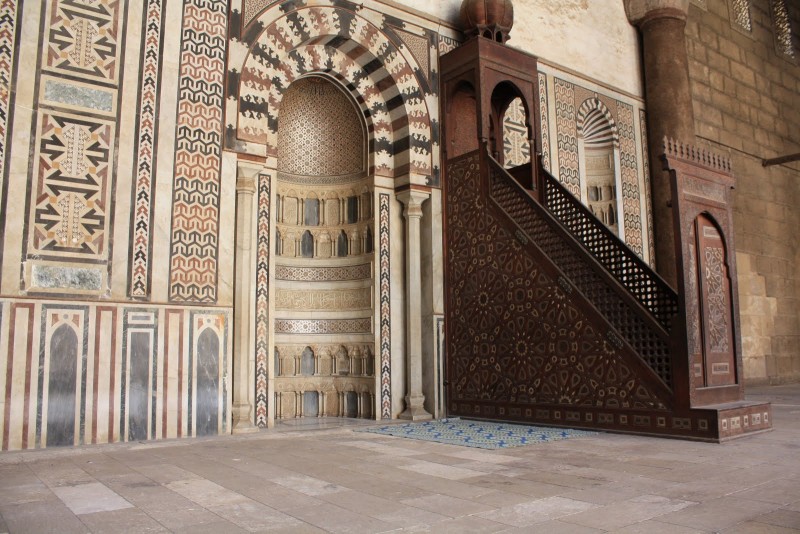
(242, 305)
(669, 107)
(415, 400)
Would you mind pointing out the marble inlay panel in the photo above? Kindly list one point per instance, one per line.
(207, 383)
(74, 95)
(323, 326)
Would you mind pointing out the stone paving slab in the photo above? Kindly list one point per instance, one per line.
(327, 478)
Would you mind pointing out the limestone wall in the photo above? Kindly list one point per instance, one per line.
(745, 87)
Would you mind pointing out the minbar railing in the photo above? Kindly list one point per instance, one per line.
(634, 300)
(652, 292)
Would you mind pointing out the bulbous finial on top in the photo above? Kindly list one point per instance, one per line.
(492, 19)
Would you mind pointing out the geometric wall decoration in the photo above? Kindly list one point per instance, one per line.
(139, 378)
(208, 367)
(385, 307)
(145, 152)
(9, 10)
(294, 40)
(103, 373)
(647, 191)
(545, 122)
(262, 300)
(568, 166)
(518, 341)
(196, 191)
(516, 146)
(70, 203)
(631, 200)
(61, 408)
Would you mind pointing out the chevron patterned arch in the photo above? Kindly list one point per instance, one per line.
(342, 44)
(596, 124)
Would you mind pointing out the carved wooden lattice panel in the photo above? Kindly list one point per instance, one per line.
(516, 336)
(720, 362)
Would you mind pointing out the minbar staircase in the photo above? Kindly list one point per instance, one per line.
(549, 317)
(552, 319)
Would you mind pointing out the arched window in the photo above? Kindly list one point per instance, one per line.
(516, 145)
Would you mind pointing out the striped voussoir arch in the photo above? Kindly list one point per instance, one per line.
(338, 42)
(596, 124)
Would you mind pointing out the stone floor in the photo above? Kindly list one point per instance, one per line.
(309, 479)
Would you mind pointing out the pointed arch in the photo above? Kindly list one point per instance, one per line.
(384, 80)
(596, 124)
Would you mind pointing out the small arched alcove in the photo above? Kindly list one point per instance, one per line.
(598, 152)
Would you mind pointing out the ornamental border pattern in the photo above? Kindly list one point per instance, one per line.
(9, 10)
(145, 152)
(198, 153)
(385, 307)
(262, 301)
(647, 188)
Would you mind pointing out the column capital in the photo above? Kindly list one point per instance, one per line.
(641, 12)
(412, 200)
(247, 175)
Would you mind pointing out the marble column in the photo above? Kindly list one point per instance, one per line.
(242, 305)
(662, 24)
(415, 400)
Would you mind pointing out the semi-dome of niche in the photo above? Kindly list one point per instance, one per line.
(320, 132)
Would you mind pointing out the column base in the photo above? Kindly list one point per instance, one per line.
(241, 421)
(415, 411)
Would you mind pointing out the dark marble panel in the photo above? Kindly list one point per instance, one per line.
(61, 387)
(369, 246)
(342, 245)
(311, 404)
(139, 385)
(307, 245)
(307, 362)
(311, 217)
(351, 404)
(207, 384)
(352, 210)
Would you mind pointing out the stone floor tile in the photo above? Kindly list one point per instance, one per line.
(50, 516)
(654, 526)
(440, 470)
(447, 505)
(91, 498)
(308, 485)
(753, 527)
(255, 517)
(206, 493)
(719, 513)
(628, 512)
(465, 525)
(24, 493)
(698, 490)
(782, 491)
(553, 527)
(179, 518)
(407, 517)
(519, 485)
(55, 474)
(217, 527)
(783, 517)
(604, 494)
(502, 499)
(334, 519)
(539, 511)
(129, 521)
(561, 479)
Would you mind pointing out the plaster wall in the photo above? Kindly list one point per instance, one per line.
(590, 37)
